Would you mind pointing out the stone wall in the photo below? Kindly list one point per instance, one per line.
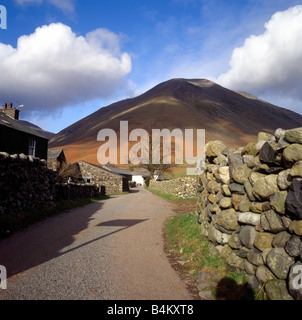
(72, 191)
(97, 175)
(25, 182)
(181, 187)
(249, 204)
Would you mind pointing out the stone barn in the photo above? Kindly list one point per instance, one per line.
(113, 182)
(55, 159)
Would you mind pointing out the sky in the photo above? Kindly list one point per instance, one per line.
(64, 59)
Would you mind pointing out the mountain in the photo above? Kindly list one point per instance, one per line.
(233, 117)
(44, 133)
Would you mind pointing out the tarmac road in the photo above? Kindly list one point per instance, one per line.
(109, 250)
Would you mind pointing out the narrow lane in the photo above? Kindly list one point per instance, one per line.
(107, 250)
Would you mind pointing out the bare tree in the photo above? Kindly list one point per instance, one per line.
(68, 170)
(155, 154)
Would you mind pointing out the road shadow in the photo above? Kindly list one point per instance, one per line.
(51, 238)
(125, 224)
(134, 190)
(44, 240)
(228, 289)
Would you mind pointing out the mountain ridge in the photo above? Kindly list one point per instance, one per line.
(235, 118)
(47, 134)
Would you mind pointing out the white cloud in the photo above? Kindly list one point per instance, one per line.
(270, 63)
(54, 67)
(65, 5)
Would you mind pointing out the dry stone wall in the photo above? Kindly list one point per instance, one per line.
(181, 187)
(25, 182)
(249, 204)
(72, 191)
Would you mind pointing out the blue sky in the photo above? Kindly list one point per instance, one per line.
(64, 59)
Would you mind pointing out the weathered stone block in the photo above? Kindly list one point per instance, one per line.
(255, 257)
(216, 236)
(277, 290)
(263, 240)
(265, 187)
(296, 170)
(249, 218)
(265, 136)
(279, 262)
(296, 227)
(280, 239)
(228, 219)
(284, 179)
(247, 236)
(294, 135)
(241, 175)
(234, 161)
(214, 148)
(235, 262)
(236, 188)
(274, 220)
(249, 268)
(223, 175)
(293, 153)
(294, 246)
(244, 204)
(236, 199)
(250, 149)
(263, 274)
(277, 201)
(234, 241)
(225, 202)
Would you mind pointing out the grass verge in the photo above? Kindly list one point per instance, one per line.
(198, 256)
(17, 221)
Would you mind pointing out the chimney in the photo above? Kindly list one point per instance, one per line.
(10, 110)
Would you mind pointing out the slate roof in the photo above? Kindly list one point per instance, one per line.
(53, 153)
(9, 122)
(118, 170)
(128, 173)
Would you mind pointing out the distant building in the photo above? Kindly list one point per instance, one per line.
(158, 175)
(55, 159)
(134, 176)
(85, 172)
(122, 172)
(17, 138)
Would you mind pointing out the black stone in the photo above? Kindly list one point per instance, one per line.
(293, 246)
(294, 198)
(268, 153)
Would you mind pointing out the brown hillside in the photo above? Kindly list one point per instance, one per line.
(233, 117)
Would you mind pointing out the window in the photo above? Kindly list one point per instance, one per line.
(32, 147)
